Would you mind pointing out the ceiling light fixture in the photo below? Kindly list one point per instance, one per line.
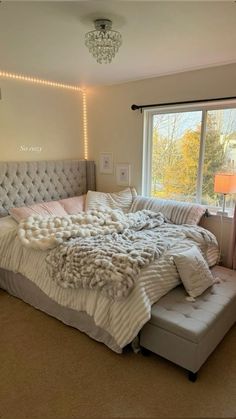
(103, 43)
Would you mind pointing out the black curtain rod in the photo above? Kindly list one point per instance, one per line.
(187, 102)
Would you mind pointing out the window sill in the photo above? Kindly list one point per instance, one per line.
(212, 211)
(217, 217)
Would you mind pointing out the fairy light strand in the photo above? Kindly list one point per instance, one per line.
(36, 80)
(85, 124)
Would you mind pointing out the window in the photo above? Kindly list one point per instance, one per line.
(185, 147)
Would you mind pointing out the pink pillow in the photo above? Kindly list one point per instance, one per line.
(45, 208)
(73, 205)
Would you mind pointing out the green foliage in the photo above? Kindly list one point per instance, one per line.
(175, 162)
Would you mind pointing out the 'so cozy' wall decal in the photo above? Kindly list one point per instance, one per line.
(49, 83)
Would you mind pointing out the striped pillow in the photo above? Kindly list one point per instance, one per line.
(175, 211)
(116, 200)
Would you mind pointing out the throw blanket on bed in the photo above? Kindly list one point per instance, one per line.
(46, 233)
(112, 263)
(109, 263)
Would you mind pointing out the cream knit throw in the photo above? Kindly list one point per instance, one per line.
(45, 233)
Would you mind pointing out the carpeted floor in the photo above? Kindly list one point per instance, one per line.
(49, 370)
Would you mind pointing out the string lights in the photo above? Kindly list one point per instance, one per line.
(35, 80)
(85, 125)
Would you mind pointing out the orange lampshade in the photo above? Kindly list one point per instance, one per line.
(225, 183)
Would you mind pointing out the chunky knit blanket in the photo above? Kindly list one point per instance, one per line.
(109, 263)
(40, 232)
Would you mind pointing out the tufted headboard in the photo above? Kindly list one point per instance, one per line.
(25, 183)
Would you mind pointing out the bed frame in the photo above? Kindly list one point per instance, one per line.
(26, 183)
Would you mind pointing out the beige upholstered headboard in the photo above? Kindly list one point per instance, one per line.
(25, 183)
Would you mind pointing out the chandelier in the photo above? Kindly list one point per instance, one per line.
(103, 43)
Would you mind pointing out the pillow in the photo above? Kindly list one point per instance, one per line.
(175, 211)
(73, 205)
(44, 208)
(193, 271)
(116, 200)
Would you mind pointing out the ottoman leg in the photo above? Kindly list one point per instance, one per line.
(192, 376)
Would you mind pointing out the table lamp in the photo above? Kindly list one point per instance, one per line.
(225, 183)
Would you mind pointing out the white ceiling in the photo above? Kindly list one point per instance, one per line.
(46, 39)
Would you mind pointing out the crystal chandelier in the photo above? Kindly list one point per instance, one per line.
(103, 43)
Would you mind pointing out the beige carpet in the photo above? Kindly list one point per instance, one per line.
(49, 370)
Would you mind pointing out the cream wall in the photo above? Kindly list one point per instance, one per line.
(39, 122)
(114, 127)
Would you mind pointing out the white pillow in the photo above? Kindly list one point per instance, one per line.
(194, 271)
(116, 200)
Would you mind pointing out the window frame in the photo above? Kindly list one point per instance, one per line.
(148, 114)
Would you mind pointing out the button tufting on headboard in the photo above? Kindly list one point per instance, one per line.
(25, 183)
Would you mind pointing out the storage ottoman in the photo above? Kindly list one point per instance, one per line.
(186, 332)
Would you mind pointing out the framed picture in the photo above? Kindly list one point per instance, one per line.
(123, 174)
(106, 163)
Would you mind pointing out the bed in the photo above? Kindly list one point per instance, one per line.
(25, 183)
(23, 272)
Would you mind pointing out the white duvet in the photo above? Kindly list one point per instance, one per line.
(121, 319)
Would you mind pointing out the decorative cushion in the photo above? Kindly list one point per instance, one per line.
(194, 271)
(175, 211)
(45, 208)
(116, 200)
(73, 205)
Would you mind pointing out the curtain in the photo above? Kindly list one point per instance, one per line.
(231, 259)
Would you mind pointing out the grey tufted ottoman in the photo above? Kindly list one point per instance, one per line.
(187, 332)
